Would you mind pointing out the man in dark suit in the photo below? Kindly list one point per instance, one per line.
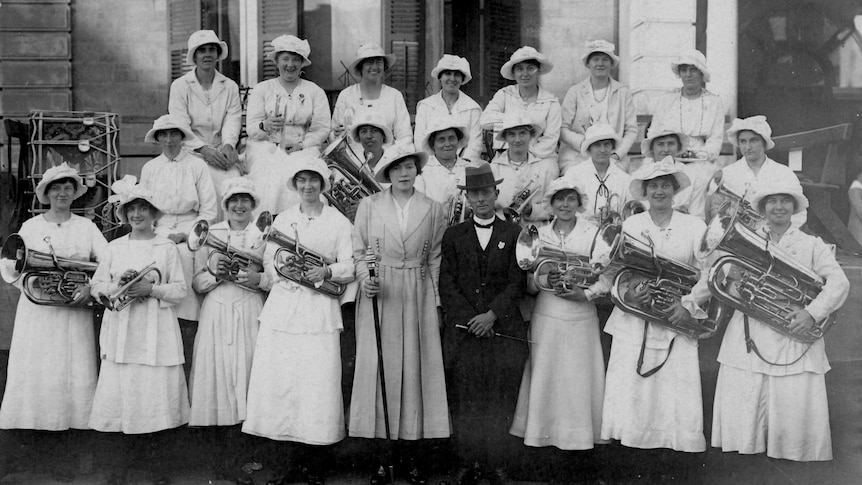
(480, 286)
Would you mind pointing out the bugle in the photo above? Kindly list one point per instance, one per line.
(292, 260)
(237, 260)
(45, 278)
(120, 299)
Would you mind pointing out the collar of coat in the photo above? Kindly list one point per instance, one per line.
(384, 207)
(219, 85)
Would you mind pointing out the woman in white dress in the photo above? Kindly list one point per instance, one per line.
(290, 112)
(444, 171)
(295, 388)
(560, 401)
(228, 326)
(52, 358)
(525, 67)
(655, 401)
(142, 387)
(208, 102)
(370, 94)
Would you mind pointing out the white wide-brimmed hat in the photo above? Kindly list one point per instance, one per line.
(237, 185)
(654, 170)
(756, 124)
(367, 51)
(525, 53)
(600, 45)
(452, 63)
(766, 189)
(62, 171)
(443, 123)
(565, 183)
(370, 118)
(291, 43)
(599, 132)
(204, 37)
(395, 154)
(128, 189)
(659, 132)
(309, 162)
(691, 57)
(167, 122)
(514, 119)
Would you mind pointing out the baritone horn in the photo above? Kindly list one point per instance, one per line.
(533, 255)
(237, 260)
(759, 279)
(292, 260)
(746, 214)
(120, 299)
(351, 179)
(45, 278)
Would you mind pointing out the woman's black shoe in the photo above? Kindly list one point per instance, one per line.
(380, 477)
(416, 477)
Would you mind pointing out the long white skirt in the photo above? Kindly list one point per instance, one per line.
(136, 398)
(787, 416)
(52, 369)
(224, 346)
(664, 410)
(295, 388)
(560, 401)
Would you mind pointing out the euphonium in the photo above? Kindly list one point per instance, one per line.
(119, 299)
(237, 260)
(298, 259)
(532, 255)
(45, 278)
(747, 214)
(668, 281)
(351, 180)
(758, 278)
(521, 199)
(457, 208)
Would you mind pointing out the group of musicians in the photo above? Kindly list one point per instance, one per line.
(456, 336)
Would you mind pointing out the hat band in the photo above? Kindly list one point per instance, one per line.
(479, 180)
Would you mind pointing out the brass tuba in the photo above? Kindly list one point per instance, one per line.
(532, 256)
(746, 214)
(45, 278)
(351, 179)
(298, 259)
(668, 281)
(119, 299)
(758, 278)
(200, 236)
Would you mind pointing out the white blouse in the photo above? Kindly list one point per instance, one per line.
(465, 112)
(215, 116)
(181, 186)
(305, 111)
(438, 182)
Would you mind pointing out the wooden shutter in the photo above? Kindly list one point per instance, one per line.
(276, 17)
(503, 28)
(406, 33)
(184, 18)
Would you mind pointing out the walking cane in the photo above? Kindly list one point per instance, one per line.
(371, 262)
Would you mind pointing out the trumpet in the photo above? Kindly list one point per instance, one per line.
(237, 260)
(351, 179)
(457, 208)
(747, 215)
(119, 299)
(45, 278)
(532, 255)
(298, 259)
(521, 199)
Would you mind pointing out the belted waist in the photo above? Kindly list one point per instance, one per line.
(175, 221)
(401, 263)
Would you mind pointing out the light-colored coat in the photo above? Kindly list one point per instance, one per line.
(409, 269)
(576, 120)
(544, 111)
(214, 123)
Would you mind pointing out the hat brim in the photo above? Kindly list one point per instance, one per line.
(190, 55)
(733, 134)
(387, 133)
(636, 185)
(615, 59)
(465, 138)
(501, 135)
(585, 146)
(545, 66)
(121, 213)
(274, 55)
(674, 66)
(801, 200)
(291, 181)
(391, 59)
(80, 190)
(151, 135)
(435, 73)
(381, 170)
(646, 143)
(480, 186)
(230, 193)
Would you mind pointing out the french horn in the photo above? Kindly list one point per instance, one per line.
(532, 255)
(292, 260)
(120, 299)
(352, 180)
(757, 278)
(237, 260)
(45, 278)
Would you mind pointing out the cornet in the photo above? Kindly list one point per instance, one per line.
(119, 299)
(45, 278)
(298, 259)
(457, 208)
(237, 260)
(521, 199)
